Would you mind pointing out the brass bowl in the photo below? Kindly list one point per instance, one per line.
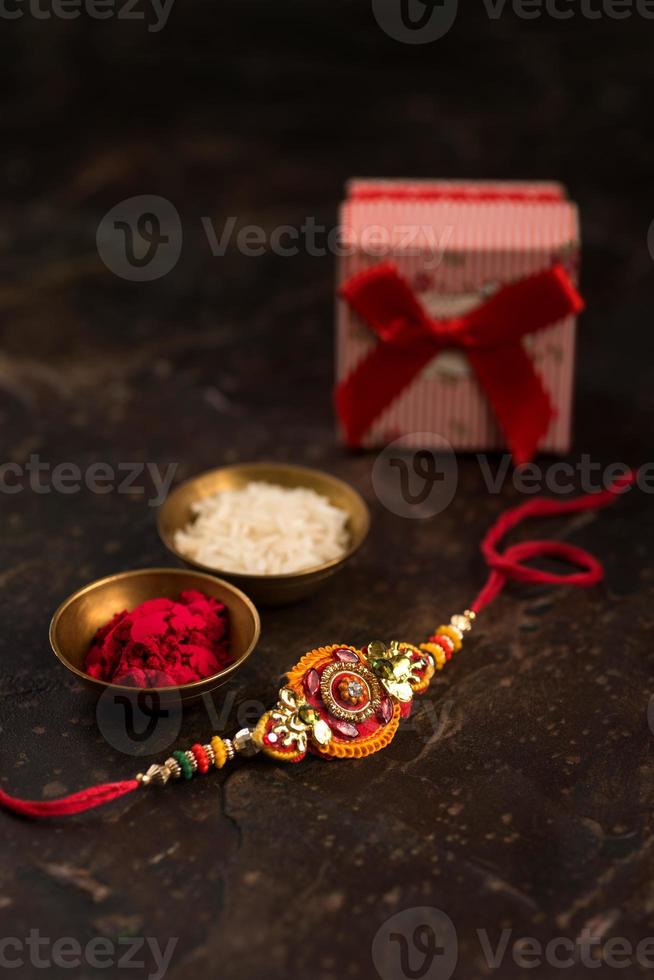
(77, 620)
(272, 590)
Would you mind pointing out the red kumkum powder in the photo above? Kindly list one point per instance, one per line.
(162, 643)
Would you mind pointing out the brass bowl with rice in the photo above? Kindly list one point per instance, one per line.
(276, 531)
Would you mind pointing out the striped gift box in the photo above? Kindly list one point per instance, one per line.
(456, 243)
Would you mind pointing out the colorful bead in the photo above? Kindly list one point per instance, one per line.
(200, 758)
(184, 764)
(445, 642)
(454, 635)
(219, 751)
(437, 652)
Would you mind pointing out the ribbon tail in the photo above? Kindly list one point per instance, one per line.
(385, 301)
(517, 395)
(375, 383)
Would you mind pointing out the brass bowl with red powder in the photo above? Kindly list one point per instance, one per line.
(77, 620)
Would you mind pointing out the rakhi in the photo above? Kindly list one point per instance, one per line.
(344, 702)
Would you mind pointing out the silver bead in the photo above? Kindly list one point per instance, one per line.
(244, 743)
(191, 758)
(155, 774)
(211, 755)
(174, 767)
(229, 748)
(462, 622)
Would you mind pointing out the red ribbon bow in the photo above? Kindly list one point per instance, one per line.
(491, 335)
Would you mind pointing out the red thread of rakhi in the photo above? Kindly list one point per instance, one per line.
(86, 799)
(491, 336)
(507, 565)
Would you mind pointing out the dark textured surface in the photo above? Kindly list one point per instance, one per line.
(521, 795)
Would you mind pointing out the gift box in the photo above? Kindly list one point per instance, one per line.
(456, 314)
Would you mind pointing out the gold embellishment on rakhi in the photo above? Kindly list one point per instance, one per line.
(293, 721)
(395, 668)
(284, 732)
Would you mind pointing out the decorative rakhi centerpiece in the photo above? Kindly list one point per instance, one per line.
(345, 703)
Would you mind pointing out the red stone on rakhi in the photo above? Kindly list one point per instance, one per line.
(344, 728)
(385, 712)
(346, 656)
(312, 682)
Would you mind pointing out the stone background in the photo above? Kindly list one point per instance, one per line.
(521, 795)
